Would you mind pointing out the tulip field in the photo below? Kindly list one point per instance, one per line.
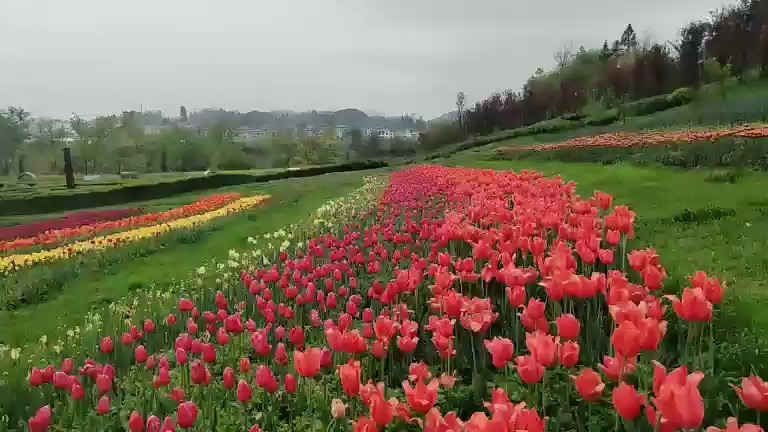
(735, 147)
(649, 139)
(429, 299)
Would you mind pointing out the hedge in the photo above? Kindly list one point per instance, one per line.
(99, 198)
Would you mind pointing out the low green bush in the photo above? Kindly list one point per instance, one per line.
(602, 119)
(14, 205)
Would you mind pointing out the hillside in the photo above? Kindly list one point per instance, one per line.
(351, 117)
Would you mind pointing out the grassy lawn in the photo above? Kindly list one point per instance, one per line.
(292, 200)
(730, 247)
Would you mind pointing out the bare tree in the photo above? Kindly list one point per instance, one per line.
(564, 56)
(460, 108)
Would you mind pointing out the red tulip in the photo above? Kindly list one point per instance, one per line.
(229, 378)
(423, 397)
(106, 346)
(543, 348)
(61, 381)
(290, 384)
(296, 336)
(36, 377)
(149, 326)
(245, 365)
(626, 339)
(616, 369)
(754, 393)
(42, 420)
(419, 372)
(169, 425)
(569, 354)
(281, 354)
(136, 422)
(694, 307)
(104, 406)
(733, 426)
(364, 424)
(382, 412)
(178, 395)
(568, 327)
(307, 363)
(209, 353)
(266, 379)
(77, 391)
(171, 321)
(141, 354)
(154, 424)
(589, 385)
(350, 375)
(502, 351)
(48, 374)
(529, 369)
(244, 391)
(103, 383)
(187, 414)
(181, 356)
(407, 344)
(68, 366)
(186, 305)
(126, 339)
(678, 398)
(627, 402)
(163, 378)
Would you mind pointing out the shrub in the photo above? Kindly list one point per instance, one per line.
(602, 119)
(682, 96)
(143, 192)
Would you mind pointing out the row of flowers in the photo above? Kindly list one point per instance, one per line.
(75, 227)
(17, 262)
(529, 270)
(75, 342)
(70, 220)
(645, 139)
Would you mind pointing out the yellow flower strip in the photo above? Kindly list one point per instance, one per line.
(16, 262)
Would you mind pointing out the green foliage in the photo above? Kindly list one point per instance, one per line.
(120, 195)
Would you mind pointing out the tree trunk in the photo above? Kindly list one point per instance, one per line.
(68, 171)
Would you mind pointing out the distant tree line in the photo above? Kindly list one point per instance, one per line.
(733, 42)
(148, 142)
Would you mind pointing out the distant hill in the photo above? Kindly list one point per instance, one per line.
(449, 117)
(351, 117)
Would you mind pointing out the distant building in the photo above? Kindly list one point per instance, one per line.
(254, 134)
(152, 129)
(342, 131)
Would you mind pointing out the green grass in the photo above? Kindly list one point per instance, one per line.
(292, 200)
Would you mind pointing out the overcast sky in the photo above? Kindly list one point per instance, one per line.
(393, 56)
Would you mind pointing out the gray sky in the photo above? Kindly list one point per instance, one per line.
(392, 56)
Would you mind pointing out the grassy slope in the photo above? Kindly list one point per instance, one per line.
(730, 247)
(292, 200)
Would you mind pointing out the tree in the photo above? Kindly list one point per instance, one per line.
(356, 140)
(373, 147)
(13, 132)
(183, 114)
(628, 39)
(460, 108)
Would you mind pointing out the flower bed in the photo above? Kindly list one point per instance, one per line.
(460, 286)
(16, 262)
(647, 139)
(71, 220)
(56, 236)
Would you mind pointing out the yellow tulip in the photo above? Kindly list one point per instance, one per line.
(16, 262)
